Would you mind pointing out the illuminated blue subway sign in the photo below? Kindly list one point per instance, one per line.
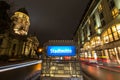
(61, 50)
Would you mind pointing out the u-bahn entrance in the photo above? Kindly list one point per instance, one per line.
(61, 70)
(60, 61)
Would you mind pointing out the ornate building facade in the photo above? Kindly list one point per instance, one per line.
(14, 38)
(98, 35)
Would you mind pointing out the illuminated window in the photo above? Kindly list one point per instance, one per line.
(118, 29)
(96, 41)
(111, 34)
(115, 35)
(86, 45)
(111, 37)
(115, 12)
(109, 31)
(105, 37)
(114, 29)
(93, 42)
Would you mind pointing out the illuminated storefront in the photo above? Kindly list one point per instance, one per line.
(110, 37)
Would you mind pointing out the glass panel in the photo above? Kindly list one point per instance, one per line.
(109, 31)
(113, 29)
(118, 27)
(60, 71)
(106, 39)
(115, 35)
(66, 68)
(111, 37)
(119, 32)
(105, 34)
(115, 12)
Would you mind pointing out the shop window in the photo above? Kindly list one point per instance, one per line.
(105, 37)
(95, 41)
(111, 37)
(109, 31)
(92, 43)
(115, 36)
(111, 34)
(114, 29)
(118, 29)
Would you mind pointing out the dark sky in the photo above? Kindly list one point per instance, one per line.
(53, 19)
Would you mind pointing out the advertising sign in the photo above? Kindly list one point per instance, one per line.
(61, 50)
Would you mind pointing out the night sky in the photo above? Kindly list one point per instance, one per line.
(53, 19)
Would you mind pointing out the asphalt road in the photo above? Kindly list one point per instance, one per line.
(20, 73)
(98, 73)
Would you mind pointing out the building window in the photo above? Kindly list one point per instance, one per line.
(111, 34)
(116, 31)
(96, 41)
(115, 12)
(105, 37)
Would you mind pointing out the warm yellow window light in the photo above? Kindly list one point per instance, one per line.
(115, 12)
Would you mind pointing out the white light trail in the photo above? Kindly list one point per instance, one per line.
(19, 65)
